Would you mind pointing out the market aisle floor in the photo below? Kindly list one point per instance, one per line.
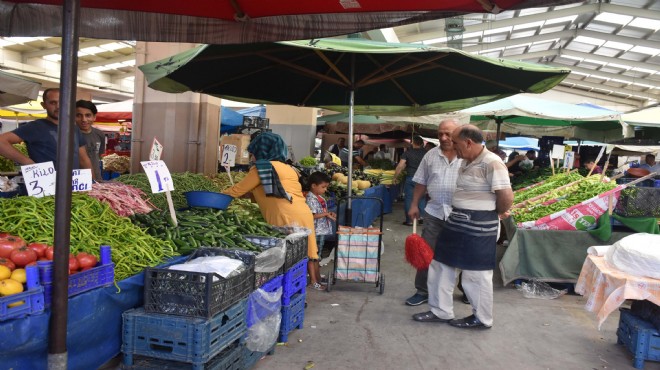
(353, 327)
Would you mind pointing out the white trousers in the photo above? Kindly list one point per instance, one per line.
(478, 287)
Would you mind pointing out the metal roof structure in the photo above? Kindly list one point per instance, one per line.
(612, 47)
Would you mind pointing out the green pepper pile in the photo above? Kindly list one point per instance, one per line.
(550, 183)
(183, 182)
(557, 200)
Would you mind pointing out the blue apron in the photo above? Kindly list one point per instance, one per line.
(468, 240)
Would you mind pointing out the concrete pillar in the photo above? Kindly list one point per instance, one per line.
(187, 125)
(296, 125)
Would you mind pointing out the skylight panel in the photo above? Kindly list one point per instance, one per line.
(613, 18)
(99, 69)
(589, 40)
(472, 34)
(6, 42)
(497, 30)
(643, 70)
(440, 40)
(570, 18)
(92, 50)
(113, 46)
(528, 25)
(618, 45)
(22, 40)
(645, 50)
(618, 66)
(650, 24)
(129, 63)
(115, 65)
(53, 57)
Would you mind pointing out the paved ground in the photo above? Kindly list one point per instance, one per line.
(353, 327)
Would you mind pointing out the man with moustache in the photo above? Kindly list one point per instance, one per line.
(436, 175)
(468, 240)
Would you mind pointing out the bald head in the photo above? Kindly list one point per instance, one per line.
(446, 127)
(467, 141)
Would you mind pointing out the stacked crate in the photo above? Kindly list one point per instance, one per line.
(293, 299)
(640, 337)
(190, 320)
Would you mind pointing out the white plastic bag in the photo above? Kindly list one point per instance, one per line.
(636, 254)
(265, 315)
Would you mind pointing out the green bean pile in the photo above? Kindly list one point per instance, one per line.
(92, 224)
(204, 227)
(558, 200)
(7, 165)
(222, 182)
(183, 182)
(552, 182)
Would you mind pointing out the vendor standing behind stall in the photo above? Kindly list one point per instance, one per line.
(85, 117)
(277, 191)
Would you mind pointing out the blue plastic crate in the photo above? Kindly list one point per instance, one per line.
(184, 339)
(271, 286)
(101, 275)
(32, 298)
(640, 337)
(251, 358)
(230, 358)
(294, 281)
(293, 316)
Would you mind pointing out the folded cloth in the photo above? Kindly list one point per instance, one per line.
(598, 250)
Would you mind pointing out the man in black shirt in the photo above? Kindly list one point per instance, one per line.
(410, 160)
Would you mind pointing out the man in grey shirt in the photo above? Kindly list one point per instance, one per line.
(95, 139)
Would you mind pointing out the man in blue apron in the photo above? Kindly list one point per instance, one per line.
(468, 240)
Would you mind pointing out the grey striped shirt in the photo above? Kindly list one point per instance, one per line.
(439, 176)
(478, 180)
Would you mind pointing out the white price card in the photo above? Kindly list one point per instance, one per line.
(228, 155)
(558, 151)
(156, 150)
(81, 180)
(158, 175)
(569, 158)
(39, 179)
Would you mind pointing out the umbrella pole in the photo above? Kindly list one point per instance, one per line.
(57, 331)
(498, 120)
(349, 208)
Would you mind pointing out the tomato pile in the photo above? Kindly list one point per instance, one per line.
(15, 253)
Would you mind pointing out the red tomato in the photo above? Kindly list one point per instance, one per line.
(86, 260)
(33, 263)
(40, 248)
(8, 263)
(49, 253)
(22, 256)
(8, 244)
(73, 264)
(4, 235)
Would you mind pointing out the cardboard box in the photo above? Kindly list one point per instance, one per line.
(241, 141)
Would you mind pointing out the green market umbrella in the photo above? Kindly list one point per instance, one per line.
(355, 75)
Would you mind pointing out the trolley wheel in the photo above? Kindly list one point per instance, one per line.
(381, 283)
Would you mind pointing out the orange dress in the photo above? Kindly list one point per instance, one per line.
(278, 211)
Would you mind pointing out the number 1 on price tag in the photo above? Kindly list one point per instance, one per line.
(228, 155)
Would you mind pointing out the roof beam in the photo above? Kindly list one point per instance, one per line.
(622, 91)
(608, 75)
(120, 59)
(608, 60)
(589, 94)
(628, 10)
(58, 49)
(521, 40)
(560, 13)
(617, 38)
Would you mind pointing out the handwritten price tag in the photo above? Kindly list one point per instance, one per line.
(81, 180)
(156, 150)
(228, 155)
(569, 158)
(39, 179)
(158, 175)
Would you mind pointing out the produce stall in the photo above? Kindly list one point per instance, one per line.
(548, 237)
(143, 241)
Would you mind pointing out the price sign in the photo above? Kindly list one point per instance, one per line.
(228, 155)
(569, 159)
(158, 175)
(558, 151)
(81, 180)
(156, 151)
(39, 179)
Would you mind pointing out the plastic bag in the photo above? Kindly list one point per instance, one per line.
(265, 316)
(272, 257)
(636, 254)
(538, 289)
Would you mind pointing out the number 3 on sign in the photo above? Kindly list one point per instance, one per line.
(228, 155)
(158, 175)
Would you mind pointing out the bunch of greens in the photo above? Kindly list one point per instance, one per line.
(308, 161)
(7, 165)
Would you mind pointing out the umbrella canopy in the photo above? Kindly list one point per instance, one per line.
(15, 89)
(25, 112)
(362, 124)
(520, 143)
(234, 22)
(230, 120)
(533, 116)
(387, 78)
(115, 112)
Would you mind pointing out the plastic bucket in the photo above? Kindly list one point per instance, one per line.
(208, 199)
